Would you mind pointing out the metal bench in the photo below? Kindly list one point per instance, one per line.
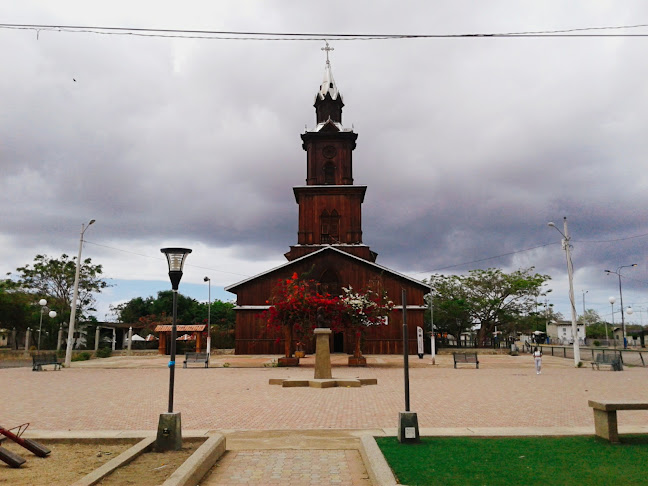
(41, 359)
(605, 416)
(196, 358)
(614, 361)
(467, 358)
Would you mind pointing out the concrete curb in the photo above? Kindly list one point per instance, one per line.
(199, 463)
(379, 471)
(122, 459)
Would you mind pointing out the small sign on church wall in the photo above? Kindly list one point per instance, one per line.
(419, 341)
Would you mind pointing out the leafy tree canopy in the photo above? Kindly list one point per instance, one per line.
(53, 280)
(190, 311)
(488, 297)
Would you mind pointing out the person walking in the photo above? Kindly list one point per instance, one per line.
(537, 356)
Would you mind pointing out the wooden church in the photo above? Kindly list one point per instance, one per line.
(329, 244)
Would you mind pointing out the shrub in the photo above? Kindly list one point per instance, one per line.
(597, 343)
(85, 356)
(104, 352)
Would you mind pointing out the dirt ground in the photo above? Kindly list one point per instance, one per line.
(70, 461)
(67, 463)
(152, 468)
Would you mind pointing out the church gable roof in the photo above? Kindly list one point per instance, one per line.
(315, 254)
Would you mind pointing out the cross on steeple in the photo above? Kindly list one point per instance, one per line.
(327, 49)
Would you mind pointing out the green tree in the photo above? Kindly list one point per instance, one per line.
(190, 311)
(489, 297)
(597, 330)
(589, 318)
(16, 307)
(53, 279)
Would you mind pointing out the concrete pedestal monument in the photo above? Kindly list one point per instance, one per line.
(322, 353)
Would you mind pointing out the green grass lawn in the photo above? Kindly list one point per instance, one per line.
(529, 461)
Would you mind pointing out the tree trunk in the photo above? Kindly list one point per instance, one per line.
(288, 341)
(356, 352)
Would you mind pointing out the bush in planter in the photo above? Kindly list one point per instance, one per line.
(85, 356)
(104, 352)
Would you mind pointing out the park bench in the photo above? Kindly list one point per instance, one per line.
(605, 416)
(611, 360)
(468, 358)
(41, 359)
(196, 358)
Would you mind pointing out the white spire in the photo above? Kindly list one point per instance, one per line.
(328, 84)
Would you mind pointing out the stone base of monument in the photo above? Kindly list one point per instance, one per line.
(323, 382)
(361, 361)
(288, 361)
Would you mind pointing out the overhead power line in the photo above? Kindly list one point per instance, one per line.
(309, 36)
(164, 259)
(529, 249)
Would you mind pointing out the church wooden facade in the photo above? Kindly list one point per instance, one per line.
(329, 245)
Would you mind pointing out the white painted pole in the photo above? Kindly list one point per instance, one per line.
(433, 336)
(570, 272)
(75, 296)
(209, 318)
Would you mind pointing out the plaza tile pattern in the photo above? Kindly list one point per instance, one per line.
(279, 467)
(504, 392)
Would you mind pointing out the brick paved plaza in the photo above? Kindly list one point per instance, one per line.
(310, 436)
(129, 394)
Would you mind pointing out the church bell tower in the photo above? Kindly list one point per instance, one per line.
(330, 205)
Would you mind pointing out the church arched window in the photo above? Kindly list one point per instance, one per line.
(329, 282)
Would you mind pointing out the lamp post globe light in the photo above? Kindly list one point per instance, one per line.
(75, 296)
(570, 273)
(52, 314)
(618, 273)
(207, 279)
(169, 434)
(612, 300)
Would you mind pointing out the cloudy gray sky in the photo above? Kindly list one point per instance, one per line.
(469, 146)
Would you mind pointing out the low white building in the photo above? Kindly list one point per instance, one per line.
(560, 332)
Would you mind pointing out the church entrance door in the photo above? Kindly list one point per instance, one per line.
(338, 342)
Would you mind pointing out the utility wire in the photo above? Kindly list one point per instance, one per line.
(163, 259)
(294, 36)
(487, 258)
(533, 248)
(611, 241)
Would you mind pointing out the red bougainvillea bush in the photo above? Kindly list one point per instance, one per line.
(297, 306)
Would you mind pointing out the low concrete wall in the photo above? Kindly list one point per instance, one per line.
(200, 462)
(379, 471)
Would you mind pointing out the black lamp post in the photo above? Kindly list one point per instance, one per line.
(169, 429)
(618, 273)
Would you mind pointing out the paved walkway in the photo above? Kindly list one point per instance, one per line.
(279, 467)
(504, 396)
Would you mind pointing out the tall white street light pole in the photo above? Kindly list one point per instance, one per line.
(612, 301)
(432, 333)
(75, 296)
(52, 314)
(618, 273)
(207, 279)
(570, 273)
